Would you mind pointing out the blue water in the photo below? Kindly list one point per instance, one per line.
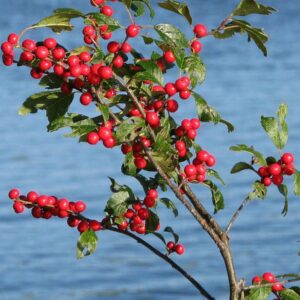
(38, 257)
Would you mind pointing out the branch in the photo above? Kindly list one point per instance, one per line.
(167, 259)
(236, 214)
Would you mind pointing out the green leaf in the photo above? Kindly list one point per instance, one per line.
(289, 294)
(258, 293)
(259, 191)
(127, 130)
(138, 7)
(196, 69)
(172, 36)
(128, 167)
(297, 183)
(152, 222)
(160, 236)
(214, 173)
(81, 49)
(179, 8)
(257, 155)
(241, 166)
(104, 111)
(97, 57)
(102, 19)
(86, 244)
(207, 113)
(239, 26)
(127, 2)
(150, 72)
(60, 20)
(296, 289)
(55, 103)
(175, 235)
(284, 192)
(247, 7)
(217, 197)
(277, 128)
(81, 125)
(51, 81)
(118, 203)
(170, 205)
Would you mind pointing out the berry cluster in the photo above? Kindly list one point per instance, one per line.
(274, 172)
(268, 278)
(197, 170)
(172, 247)
(188, 128)
(137, 215)
(46, 207)
(104, 134)
(180, 86)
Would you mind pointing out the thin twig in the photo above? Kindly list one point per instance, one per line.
(236, 214)
(166, 258)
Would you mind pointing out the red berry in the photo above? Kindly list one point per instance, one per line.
(18, 207)
(202, 155)
(267, 181)
(277, 179)
(105, 72)
(179, 249)
(195, 123)
(97, 2)
(107, 10)
(126, 47)
(13, 38)
(201, 169)
(149, 201)
(274, 169)
(32, 196)
(72, 221)
(75, 71)
(73, 60)
(289, 169)
(186, 124)
(36, 212)
(26, 56)
(152, 193)
(172, 105)
(169, 57)
(132, 30)
(29, 45)
(137, 206)
(118, 61)
(45, 65)
(191, 134)
(196, 46)
(180, 146)
(113, 47)
(85, 56)
(63, 204)
(277, 287)
(41, 52)
(66, 88)
(190, 170)
(86, 98)
(287, 158)
(141, 229)
(181, 84)
(184, 95)
(50, 43)
(88, 30)
(14, 194)
(36, 74)
(256, 280)
(7, 48)
(123, 225)
(153, 119)
(95, 225)
(129, 213)
(200, 30)
(143, 213)
(263, 171)
(269, 277)
(7, 59)
(83, 226)
(170, 246)
(42, 200)
(104, 133)
(140, 162)
(80, 206)
(58, 53)
(210, 161)
(170, 89)
(110, 142)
